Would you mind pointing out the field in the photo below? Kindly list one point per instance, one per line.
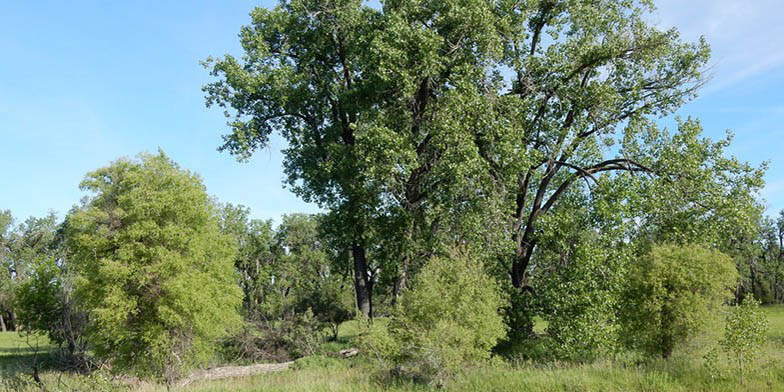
(684, 372)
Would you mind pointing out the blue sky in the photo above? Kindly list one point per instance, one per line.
(85, 82)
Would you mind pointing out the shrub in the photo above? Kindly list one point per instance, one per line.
(278, 340)
(152, 268)
(673, 292)
(449, 318)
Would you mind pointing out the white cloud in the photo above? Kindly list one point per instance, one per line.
(746, 36)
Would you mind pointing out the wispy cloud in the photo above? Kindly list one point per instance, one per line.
(746, 37)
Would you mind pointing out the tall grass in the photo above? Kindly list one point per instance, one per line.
(683, 372)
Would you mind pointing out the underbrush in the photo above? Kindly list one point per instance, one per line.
(685, 371)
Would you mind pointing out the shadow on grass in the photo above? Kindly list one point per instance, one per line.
(15, 362)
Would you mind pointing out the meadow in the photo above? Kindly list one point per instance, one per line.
(683, 372)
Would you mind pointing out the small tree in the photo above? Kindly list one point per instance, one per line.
(45, 304)
(450, 317)
(745, 327)
(673, 292)
(152, 267)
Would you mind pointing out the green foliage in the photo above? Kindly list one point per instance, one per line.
(745, 329)
(36, 299)
(448, 319)
(579, 303)
(152, 267)
(319, 362)
(313, 280)
(20, 247)
(400, 123)
(293, 288)
(255, 252)
(44, 304)
(673, 292)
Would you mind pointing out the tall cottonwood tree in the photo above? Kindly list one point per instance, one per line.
(424, 117)
(302, 76)
(585, 75)
(366, 100)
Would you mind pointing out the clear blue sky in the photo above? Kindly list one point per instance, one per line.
(85, 82)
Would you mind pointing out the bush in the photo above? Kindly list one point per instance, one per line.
(152, 268)
(448, 319)
(673, 292)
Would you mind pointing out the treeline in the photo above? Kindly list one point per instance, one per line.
(150, 253)
(761, 264)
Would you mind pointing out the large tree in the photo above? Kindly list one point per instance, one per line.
(588, 77)
(153, 269)
(426, 122)
(301, 76)
(366, 100)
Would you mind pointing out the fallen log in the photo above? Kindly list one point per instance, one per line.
(233, 371)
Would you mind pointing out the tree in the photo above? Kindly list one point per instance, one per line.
(745, 327)
(6, 279)
(763, 267)
(45, 304)
(312, 279)
(256, 251)
(588, 80)
(152, 267)
(364, 99)
(673, 292)
(300, 78)
(21, 246)
(428, 121)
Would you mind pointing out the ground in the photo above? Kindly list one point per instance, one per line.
(684, 372)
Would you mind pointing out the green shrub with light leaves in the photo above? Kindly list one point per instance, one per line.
(152, 267)
(673, 293)
(449, 318)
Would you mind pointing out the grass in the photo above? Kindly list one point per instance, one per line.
(19, 351)
(683, 372)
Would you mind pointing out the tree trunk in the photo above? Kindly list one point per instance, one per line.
(362, 283)
(666, 341)
(2, 323)
(520, 264)
(401, 280)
